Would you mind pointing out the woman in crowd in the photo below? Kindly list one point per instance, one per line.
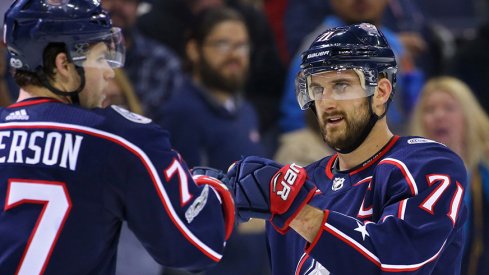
(448, 112)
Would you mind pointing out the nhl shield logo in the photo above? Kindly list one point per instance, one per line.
(337, 184)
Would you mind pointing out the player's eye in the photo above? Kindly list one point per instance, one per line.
(340, 87)
(101, 60)
(316, 91)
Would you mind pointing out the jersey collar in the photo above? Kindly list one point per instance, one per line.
(362, 166)
(33, 101)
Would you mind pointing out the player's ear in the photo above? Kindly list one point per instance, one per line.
(381, 95)
(65, 78)
(192, 50)
(62, 65)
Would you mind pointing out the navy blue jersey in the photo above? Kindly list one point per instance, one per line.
(70, 176)
(400, 212)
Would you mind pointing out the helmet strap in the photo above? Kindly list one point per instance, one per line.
(73, 94)
(386, 108)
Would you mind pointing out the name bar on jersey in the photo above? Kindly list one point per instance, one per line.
(46, 147)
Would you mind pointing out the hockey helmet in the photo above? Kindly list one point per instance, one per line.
(31, 25)
(360, 48)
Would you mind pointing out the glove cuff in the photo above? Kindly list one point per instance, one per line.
(281, 221)
(226, 200)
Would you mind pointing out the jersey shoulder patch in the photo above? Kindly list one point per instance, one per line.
(130, 115)
(418, 151)
(417, 140)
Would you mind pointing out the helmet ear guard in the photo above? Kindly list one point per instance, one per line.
(361, 48)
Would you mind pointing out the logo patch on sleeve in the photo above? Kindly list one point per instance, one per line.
(197, 205)
(130, 115)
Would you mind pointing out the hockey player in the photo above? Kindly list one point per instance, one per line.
(383, 203)
(71, 172)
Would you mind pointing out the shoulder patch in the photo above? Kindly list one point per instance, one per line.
(422, 140)
(130, 115)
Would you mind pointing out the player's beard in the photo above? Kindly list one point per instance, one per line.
(356, 122)
(212, 77)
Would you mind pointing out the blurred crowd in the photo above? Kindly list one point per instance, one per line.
(219, 76)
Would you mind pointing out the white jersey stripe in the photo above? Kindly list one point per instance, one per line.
(146, 162)
(372, 257)
(405, 171)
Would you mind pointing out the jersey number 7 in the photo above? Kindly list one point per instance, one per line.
(56, 207)
(175, 168)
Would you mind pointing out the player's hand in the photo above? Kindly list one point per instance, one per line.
(215, 178)
(264, 189)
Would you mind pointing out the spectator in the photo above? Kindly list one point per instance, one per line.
(153, 69)
(211, 123)
(175, 17)
(210, 117)
(448, 112)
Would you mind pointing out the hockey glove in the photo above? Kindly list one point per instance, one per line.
(264, 189)
(213, 177)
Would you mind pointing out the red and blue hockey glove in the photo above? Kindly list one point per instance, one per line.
(213, 177)
(264, 189)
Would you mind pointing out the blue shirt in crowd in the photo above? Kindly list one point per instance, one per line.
(207, 133)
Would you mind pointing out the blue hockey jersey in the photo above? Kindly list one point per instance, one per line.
(70, 176)
(402, 211)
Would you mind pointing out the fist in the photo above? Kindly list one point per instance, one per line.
(265, 189)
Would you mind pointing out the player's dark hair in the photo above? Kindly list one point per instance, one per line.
(24, 78)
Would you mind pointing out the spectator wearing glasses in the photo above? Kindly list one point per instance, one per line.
(168, 21)
(210, 122)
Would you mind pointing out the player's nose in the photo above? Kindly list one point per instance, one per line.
(326, 104)
(109, 73)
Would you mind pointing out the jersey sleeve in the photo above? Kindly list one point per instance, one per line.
(418, 215)
(180, 223)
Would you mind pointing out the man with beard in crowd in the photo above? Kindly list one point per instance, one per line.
(210, 122)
